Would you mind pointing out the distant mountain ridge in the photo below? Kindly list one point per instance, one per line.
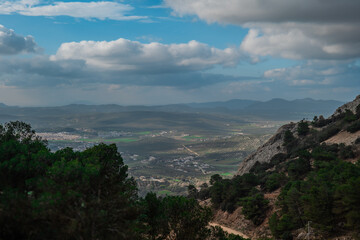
(230, 104)
(299, 108)
(275, 109)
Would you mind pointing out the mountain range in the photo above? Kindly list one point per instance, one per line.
(273, 109)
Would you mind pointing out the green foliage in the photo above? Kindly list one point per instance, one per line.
(348, 202)
(204, 192)
(346, 152)
(325, 152)
(327, 197)
(88, 194)
(274, 181)
(255, 207)
(83, 195)
(277, 159)
(315, 120)
(281, 227)
(289, 140)
(260, 168)
(226, 193)
(186, 218)
(288, 137)
(176, 216)
(303, 128)
(320, 122)
(328, 132)
(192, 191)
(298, 168)
(349, 116)
(215, 178)
(354, 127)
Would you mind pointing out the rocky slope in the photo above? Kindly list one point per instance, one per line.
(272, 147)
(348, 106)
(275, 144)
(332, 133)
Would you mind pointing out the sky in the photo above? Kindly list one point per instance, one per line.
(152, 52)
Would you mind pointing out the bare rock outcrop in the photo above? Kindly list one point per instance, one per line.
(272, 147)
(348, 106)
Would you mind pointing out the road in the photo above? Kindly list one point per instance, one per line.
(228, 230)
(191, 151)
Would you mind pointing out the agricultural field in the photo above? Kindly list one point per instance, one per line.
(167, 161)
(165, 147)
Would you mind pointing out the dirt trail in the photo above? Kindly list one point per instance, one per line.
(228, 230)
(191, 151)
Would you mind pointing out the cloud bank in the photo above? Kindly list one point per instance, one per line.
(308, 29)
(12, 43)
(89, 10)
(124, 55)
(114, 62)
(318, 73)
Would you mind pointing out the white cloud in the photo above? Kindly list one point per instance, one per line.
(303, 40)
(133, 56)
(88, 10)
(307, 29)
(12, 43)
(320, 73)
(245, 11)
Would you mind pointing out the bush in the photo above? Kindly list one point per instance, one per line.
(277, 159)
(323, 154)
(298, 168)
(346, 152)
(255, 207)
(290, 141)
(354, 127)
(215, 178)
(328, 133)
(274, 181)
(320, 122)
(281, 227)
(204, 192)
(303, 128)
(349, 116)
(258, 168)
(358, 111)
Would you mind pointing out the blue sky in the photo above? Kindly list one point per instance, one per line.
(177, 51)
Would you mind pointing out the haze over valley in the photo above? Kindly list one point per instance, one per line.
(169, 147)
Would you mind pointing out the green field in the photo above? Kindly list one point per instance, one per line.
(189, 138)
(165, 192)
(226, 174)
(114, 140)
(143, 133)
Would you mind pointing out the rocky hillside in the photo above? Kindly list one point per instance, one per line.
(272, 147)
(304, 182)
(275, 144)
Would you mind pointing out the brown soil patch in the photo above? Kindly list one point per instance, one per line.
(343, 137)
(228, 230)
